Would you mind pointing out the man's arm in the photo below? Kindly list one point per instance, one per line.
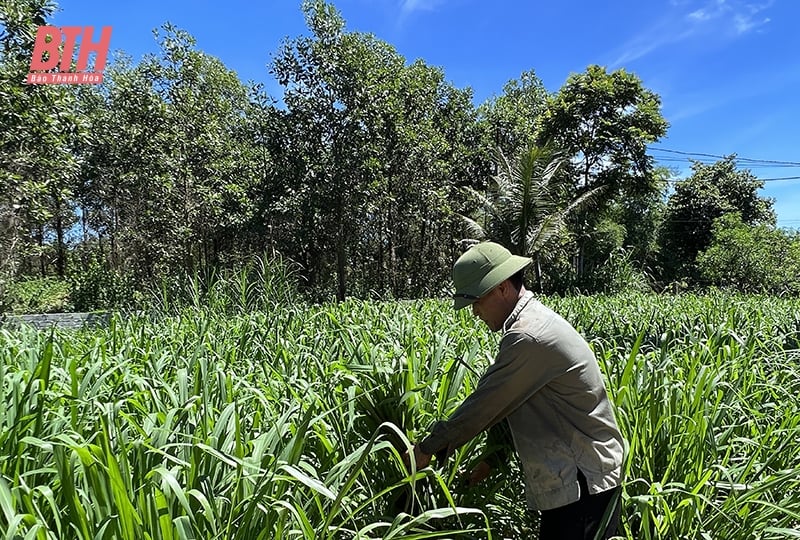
(498, 442)
(521, 369)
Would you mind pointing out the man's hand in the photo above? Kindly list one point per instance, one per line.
(481, 471)
(421, 459)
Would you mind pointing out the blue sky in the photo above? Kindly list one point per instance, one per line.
(727, 71)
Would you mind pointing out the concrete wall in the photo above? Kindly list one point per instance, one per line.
(72, 321)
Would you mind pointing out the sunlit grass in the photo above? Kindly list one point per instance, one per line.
(249, 419)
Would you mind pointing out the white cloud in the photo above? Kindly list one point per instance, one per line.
(409, 6)
(739, 15)
(744, 24)
(722, 19)
(660, 35)
(699, 15)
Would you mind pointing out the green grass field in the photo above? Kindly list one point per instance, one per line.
(289, 422)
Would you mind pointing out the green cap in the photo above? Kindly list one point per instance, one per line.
(483, 267)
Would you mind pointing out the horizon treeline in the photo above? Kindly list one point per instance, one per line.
(367, 177)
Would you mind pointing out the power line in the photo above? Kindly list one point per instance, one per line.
(778, 179)
(750, 166)
(748, 162)
(737, 158)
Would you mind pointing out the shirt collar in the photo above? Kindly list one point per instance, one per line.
(521, 303)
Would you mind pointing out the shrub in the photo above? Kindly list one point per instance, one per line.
(619, 274)
(97, 287)
(751, 258)
(40, 295)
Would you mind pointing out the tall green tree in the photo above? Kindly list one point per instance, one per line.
(627, 230)
(605, 122)
(38, 165)
(323, 90)
(512, 120)
(641, 215)
(376, 146)
(710, 192)
(172, 164)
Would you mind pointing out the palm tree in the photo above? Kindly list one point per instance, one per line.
(524, 210)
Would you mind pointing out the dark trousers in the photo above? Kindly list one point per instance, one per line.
(582, 519)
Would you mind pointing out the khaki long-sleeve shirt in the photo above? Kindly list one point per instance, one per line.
(546, 382)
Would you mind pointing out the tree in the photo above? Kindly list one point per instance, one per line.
(751, 258)
(524, 210)
(374, 146)
(710, 192)
(640, 215)
(38, 165)
(625, 237)
(511, 120)
(604, 121)
(172, 163)
(326, 90)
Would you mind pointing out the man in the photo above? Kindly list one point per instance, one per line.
(546, 384)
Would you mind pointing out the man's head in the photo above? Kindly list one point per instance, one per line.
(481, 277)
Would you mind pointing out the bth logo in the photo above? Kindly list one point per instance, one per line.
(48, 55)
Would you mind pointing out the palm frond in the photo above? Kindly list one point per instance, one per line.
(522, 209)
(555, 222)
(474, 228)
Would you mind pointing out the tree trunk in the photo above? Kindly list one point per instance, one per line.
(61, 256)
(10, 226)
(416, 276)
(40, 242)
(85, 225)
(381, 256)
(341, 271)
(112, 235)
(392, 272)
(341, 257)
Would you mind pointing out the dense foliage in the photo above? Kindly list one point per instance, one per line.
(752, 258)
(710, 193)
(368, 172)
(231, 408)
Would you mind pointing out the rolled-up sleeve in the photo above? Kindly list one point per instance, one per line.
(522, 367)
